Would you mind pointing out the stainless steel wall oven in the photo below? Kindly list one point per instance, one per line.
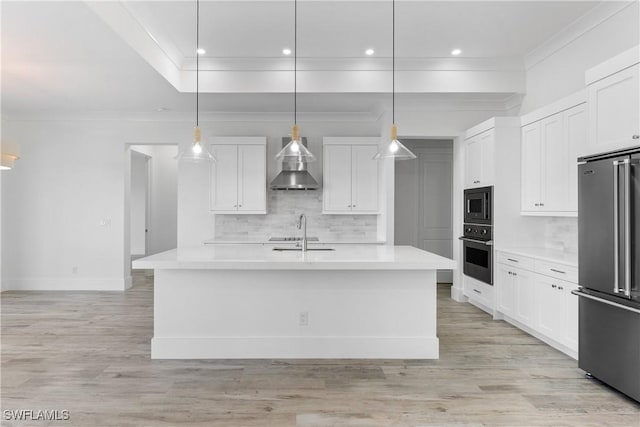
(477, 239)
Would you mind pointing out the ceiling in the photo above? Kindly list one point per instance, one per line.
(63, 57)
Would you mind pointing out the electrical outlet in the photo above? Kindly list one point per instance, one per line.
(304, 318)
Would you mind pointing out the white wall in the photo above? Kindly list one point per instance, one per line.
(72, 179)
(64, 207)
(562, 72)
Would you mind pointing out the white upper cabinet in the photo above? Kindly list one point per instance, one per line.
(364, 178)
(613, 99)
(549, 163)
(350, 176)
(479, 153)
(239, 176)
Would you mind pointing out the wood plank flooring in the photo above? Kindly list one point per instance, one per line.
(88, 353)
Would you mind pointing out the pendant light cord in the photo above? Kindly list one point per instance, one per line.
(197, 62)
(295, 62)
(393, 63)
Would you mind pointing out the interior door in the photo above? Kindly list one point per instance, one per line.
(424, 198)
(596, 225)
(252, 171)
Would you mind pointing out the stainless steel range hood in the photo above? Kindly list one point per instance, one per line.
(294, 175)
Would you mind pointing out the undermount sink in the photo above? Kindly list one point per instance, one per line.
(300, 249)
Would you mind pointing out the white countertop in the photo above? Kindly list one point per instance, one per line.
(335, 241)
(546, 254)
(262, 257)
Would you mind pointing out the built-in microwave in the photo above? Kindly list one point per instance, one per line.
(478, 205)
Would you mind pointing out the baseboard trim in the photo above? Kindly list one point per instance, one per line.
(66, 284)
(545, 339)
(457, 294)
(294, 348)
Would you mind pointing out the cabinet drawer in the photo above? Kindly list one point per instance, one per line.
(558, 271)
(479, 292)
(519, 261)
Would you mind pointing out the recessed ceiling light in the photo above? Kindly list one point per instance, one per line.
(456, 52)
(369, 52)
(286, 51)
(200, 51)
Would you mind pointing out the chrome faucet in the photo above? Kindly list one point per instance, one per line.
(302, 221)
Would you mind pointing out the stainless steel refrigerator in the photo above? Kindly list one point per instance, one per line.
(609, 269)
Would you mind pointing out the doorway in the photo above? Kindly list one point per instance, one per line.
(153, 199)
(140, 201)
(424, 199)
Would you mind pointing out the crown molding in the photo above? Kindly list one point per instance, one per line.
(594, 17)
(206, 117)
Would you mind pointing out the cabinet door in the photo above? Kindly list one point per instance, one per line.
(531, 164)
(364, 178)
(575, 130)
(252, 178)
(473, 163)
(614, 111)
(487, 153)
(336, 193)
(224, 176)
(505, 287)
(570, 316)
(555, 158)
(525, 308)
(550, 305)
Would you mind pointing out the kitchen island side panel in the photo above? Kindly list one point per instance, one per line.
(223, 314)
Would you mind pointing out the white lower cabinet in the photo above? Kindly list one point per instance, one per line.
(540, 303)
(479, 293)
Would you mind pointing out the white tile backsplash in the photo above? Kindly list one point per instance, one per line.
(562, 234)
(283, 210)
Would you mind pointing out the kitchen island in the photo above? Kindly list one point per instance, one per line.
(250, 301)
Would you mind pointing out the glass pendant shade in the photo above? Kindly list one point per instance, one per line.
(196, 152)
(394, 149)
(295, 150)
(7, 161)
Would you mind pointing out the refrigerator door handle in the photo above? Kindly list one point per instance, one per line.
(604, 301)
(616, 227)
(627, 228)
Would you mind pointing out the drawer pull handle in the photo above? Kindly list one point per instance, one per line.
(636, 136)
(512, 260)
(560, 288)
(557, 271)
(553, 286)
(477, 291)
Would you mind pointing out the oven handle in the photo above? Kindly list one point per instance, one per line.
(482, 242)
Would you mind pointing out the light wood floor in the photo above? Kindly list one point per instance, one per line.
(89, 353)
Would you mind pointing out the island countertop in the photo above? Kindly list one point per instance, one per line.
(260, 257)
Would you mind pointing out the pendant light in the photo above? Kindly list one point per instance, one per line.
(295, 150)
(196, 152)
(394, 149)
(7, 161)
